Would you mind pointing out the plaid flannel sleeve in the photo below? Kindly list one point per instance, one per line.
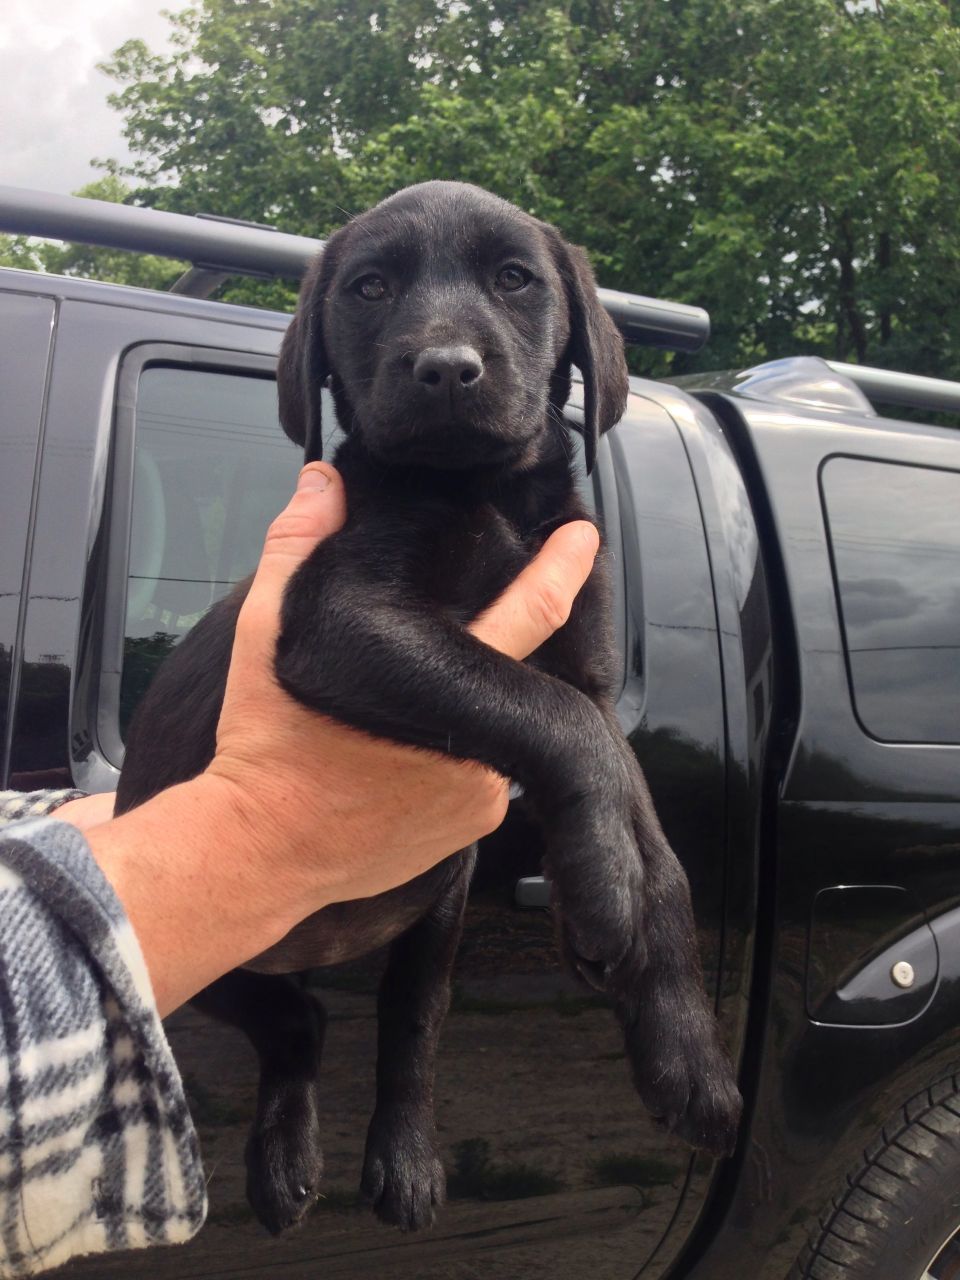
(97, 1149)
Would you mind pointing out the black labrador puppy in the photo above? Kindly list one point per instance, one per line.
(447, 322)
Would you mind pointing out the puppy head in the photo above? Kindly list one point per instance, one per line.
(447, 321)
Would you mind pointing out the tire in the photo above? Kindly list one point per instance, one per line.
(895, 1214)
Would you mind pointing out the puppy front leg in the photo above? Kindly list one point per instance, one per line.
(403, 1174)
(286, 1027)
(680, 1067)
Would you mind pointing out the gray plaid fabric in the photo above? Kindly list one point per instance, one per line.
(97, 1149)
(16, 805)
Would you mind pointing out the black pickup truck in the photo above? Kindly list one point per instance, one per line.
(788, 597)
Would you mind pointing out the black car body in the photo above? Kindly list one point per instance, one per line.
(788, 598)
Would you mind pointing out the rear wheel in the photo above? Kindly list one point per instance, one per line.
(897, 1217)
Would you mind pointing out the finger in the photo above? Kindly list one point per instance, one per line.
(317, 509)
(539, 599)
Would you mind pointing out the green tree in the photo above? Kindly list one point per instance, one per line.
(793, 165)
(19, 252)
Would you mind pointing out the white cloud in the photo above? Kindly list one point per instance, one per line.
(53, 100)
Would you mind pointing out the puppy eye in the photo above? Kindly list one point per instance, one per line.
(371, 288)
(512, 278)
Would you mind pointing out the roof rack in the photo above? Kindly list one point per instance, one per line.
(911, 389)
(219, 248)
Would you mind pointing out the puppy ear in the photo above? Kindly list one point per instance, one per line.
(302, 366)
(595, 347)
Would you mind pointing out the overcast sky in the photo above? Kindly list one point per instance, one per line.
(53, 100)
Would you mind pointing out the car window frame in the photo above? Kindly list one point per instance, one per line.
(135, 361)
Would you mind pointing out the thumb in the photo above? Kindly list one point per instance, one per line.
(540, 598)
(317, 509)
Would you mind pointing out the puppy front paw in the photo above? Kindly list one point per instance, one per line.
(403, 1175)
(284, 1159)
(683, 1074)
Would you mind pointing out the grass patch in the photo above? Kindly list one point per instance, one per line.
(619, 1169)
(331, 1199)
(568, 1006)
(477, 1177)
(340, 1200)
(230, 1215)
(364, 984)
(209, 1108)
(461, 1002)
(564, 1004)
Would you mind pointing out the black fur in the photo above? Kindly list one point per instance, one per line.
(446, 322)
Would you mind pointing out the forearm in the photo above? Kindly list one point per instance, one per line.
(96, 1140)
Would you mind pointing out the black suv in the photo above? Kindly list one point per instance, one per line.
(788, 599)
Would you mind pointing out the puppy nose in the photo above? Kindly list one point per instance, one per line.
(448, 368)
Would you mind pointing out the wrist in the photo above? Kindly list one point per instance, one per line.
(272, 822)
(191, 869)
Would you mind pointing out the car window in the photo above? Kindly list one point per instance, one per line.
(211, 469)
(895, 539)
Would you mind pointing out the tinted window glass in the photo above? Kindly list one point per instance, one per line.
(212, 468)
(895, 534)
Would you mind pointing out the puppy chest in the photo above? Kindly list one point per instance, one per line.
(465, 565)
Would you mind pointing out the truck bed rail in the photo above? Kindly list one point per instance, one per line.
(221, 247)
(913, 390)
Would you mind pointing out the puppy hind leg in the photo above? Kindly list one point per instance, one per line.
(286, 1027)
(403, 1174)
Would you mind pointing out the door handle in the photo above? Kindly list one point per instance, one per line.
(533, 891)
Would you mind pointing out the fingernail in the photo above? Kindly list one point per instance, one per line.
(588, 534)
(311, 478)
